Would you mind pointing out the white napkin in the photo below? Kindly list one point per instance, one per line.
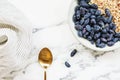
(15, 52)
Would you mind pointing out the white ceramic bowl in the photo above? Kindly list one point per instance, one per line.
(82, 40)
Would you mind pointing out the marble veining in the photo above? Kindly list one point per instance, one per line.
(85, 65)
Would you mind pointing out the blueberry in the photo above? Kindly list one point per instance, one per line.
(101, 45)
(86, 35)
(73, 52)
(99, 18)
(89, 38)
(77, 23)
(110, 37)
(88, 28)
(84, 4)
(74, 18)
(107, 28)
(78, 27)
(94, 6)
(103, 40)
(93, 21)
(67, 64)
(109, 19)
(87, 21)
(98, 12)
(87, 1)
(111, 31)
(97, 35)
(111, 25)
(78, 14)
(98, 41)
(97, 28)
(108, 13)
(110, 43)
(92, 11)
(114, 28)
(92, 16)
(82, 21)
(84, 0)
(115, 40)
(84, 31)
(101, 23)
(80, 34)
(82, 11)
(92, 42)
(92, 33)
(97, 44)
(104, 31)
(117, 35)
(77, 8)
(104, 19)
(87, 15)
(105, 35)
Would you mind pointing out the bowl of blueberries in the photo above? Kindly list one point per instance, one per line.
(91, 27)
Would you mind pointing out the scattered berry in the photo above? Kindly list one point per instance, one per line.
(73, 53)
(67, 64)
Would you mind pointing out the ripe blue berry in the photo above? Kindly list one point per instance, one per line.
(104, 31)
(84, 4)
(92, 11)
(77, 8)
(115, 40)
(88, 28)
(97, 28)
(109, 19)
(94, 6)
(73, 53)
(92, 16)
(67, 64)
(110, 43)
(98, 12)
(93, 21)
(107, 11)
(89, 38)
(78, 27)
(103, 40)
(101, 45)
(98, 41)
(80, 34)
(101, 23)
(87, 15)
(87, 21)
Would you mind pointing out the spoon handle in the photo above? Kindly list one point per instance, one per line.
(45, 75)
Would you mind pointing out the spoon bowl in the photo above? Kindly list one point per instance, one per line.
(45, 58)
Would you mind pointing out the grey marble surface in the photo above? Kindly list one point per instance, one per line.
(52, 32)
(85, 65)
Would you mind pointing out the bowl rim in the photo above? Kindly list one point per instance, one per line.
(83, 41)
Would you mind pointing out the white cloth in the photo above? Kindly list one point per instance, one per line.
(15, 52)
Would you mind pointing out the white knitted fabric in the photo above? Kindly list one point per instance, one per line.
(14, 54)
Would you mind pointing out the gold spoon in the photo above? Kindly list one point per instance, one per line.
(45, 59)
